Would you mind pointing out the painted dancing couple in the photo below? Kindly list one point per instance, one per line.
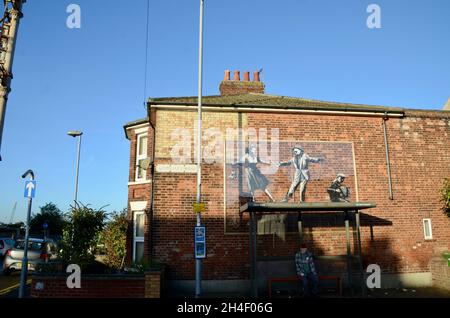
(257, 181)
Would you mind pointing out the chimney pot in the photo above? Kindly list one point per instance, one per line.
(246, 76)
(227, 75)
(447, 105)
(236, 76)
(256, 77)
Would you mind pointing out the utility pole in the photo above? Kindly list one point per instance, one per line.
(9, 26)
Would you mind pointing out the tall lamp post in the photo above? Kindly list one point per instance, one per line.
(198, 262)
(74, 134)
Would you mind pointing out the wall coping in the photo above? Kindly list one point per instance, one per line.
(48, 276)
(438, 259)
(155, 271)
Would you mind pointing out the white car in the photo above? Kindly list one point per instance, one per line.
(39, 251)
(6, 244)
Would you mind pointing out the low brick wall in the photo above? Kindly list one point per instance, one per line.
(92, 286)
(440, 272)
(154, 283)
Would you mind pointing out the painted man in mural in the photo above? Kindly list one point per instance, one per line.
(301, 161)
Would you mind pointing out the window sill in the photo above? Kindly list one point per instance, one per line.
(139, 182)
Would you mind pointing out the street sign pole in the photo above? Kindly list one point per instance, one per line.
(29, 192)
(45, 226)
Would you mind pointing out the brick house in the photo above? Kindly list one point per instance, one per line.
(402, 234)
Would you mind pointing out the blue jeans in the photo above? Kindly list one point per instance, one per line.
(308, 279)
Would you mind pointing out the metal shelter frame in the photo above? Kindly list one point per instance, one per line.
(254, 208)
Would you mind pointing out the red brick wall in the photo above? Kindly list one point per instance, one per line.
(412, 141)
(440, 272)
(138, 192)
(420, 159)
(55, 287)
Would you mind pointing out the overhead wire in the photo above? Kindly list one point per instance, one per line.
(146, 54)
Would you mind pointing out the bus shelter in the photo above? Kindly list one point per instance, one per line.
(254, 208)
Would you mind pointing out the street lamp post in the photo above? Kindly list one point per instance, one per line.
(198, 262)
(76, 133)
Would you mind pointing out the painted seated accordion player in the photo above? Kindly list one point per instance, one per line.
(338, 192)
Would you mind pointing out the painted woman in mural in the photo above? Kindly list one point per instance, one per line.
(255, 179)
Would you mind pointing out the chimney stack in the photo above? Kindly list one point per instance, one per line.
(236, 86)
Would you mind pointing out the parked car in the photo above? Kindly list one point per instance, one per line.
(6, 244)
(39, 251)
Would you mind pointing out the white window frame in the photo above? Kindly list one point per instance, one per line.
(140, 157)
(137, 239)
(424, 221)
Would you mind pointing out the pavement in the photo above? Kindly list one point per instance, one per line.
(422, 292)
(9, 288)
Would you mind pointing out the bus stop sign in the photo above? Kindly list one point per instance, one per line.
(200, 242)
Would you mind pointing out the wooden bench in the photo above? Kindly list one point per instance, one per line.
(337, 279)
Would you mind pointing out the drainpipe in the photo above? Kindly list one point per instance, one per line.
(388, 162)
(153, 190)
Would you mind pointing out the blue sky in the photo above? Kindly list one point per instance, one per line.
(92, 79)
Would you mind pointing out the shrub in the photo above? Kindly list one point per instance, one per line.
(80, 235)
(445, 196)
(52, 268)
(115, 240)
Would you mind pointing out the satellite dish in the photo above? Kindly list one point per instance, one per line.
(144, 164)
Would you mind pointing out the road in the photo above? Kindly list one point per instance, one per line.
(9, 285)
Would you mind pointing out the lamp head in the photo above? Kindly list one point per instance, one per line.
(75, 133)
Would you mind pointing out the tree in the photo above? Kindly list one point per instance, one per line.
(50, 214)
(12, 229)
(80, 235)
(115, 239)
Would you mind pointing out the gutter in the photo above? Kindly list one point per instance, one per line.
(134, 124)
(323, 110)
